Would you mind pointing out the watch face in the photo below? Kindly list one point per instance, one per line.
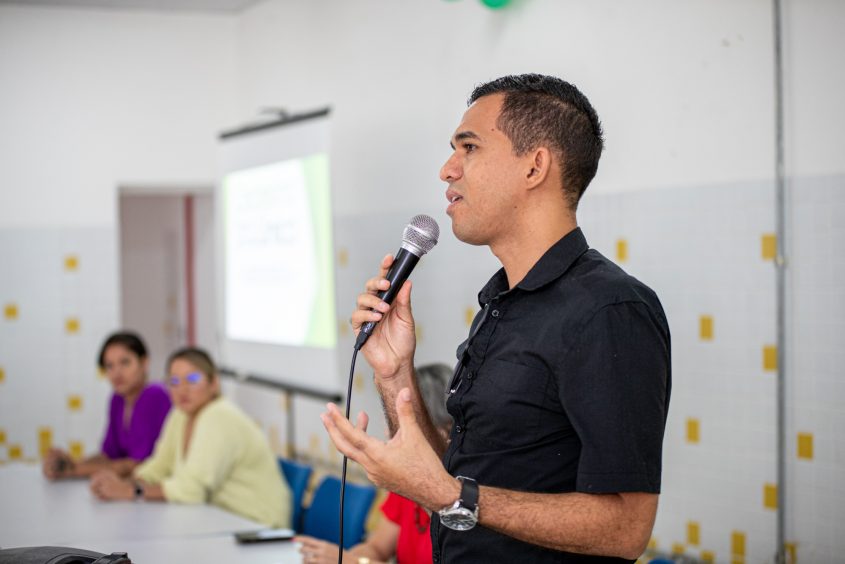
(458, 518)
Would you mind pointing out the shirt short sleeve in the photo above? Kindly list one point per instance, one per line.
(615, 390)
(111, 443)
(150, 411)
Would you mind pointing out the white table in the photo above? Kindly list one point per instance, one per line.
(212, 549)
(35, 511)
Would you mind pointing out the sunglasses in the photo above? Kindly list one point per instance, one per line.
(193, 378)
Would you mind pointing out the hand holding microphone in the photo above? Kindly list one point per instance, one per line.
(419, 237)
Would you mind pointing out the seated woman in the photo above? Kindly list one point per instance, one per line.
(209, 452)
(136, 413)
(403, 533)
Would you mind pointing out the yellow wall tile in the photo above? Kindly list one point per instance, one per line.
(342, 257)
(358, 383)
(71, 263)
(805, 445)
(76, 449)
(2, 436)
(74, 402)
(72, 325)
(469, 315)
(737, 559)
(101, 374)
(15, 452)
(678, 548)
(418, 331)
(770, 496)
(768, 246)
(2, 375)
(621, 250)
(770, 358)
(737, 543)
(705, 327)
(45, 440)
(11, 311)
(693, 430)
(343, 327)
(693, 533)
(652, 543)
(791, 552)
(708, 556)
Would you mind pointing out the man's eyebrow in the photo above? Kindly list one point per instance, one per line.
(464, 135)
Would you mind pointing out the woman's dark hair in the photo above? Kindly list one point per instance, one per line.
(126, 339)
(433, 381)
(198, 358)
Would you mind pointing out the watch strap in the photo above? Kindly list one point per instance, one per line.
(469, 493)
(139, 489)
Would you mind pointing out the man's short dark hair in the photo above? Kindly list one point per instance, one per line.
(545, 110)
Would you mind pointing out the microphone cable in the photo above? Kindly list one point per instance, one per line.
(345, 459)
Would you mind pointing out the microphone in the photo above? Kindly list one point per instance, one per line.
(419, 237)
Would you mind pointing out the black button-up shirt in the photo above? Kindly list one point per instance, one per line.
(562, 386)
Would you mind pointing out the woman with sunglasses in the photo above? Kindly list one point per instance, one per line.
(403, 532)
(137, 411)
(210, 451)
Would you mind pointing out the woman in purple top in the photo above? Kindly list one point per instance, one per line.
(136, 413)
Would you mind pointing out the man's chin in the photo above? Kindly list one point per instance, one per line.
(464, 237)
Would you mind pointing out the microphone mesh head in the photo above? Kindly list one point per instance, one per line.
(422, 233)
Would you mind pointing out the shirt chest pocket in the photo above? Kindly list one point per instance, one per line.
(506, 403)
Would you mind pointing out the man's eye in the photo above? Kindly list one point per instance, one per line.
(469, 147)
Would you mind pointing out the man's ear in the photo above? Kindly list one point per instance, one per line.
(538, 166)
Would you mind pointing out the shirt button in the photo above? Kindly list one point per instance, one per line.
(459, 429)
(495, 313)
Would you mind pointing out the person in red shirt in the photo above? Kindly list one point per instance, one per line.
(403, 532)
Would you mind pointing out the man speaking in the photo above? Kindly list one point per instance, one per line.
(561, 389)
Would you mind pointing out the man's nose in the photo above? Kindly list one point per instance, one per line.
(450, 170)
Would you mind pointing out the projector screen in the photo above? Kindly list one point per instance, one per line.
(275, 238)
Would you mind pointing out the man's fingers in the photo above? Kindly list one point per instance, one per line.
(376, 285)
(403, 298)
(386, 262)
(350, 441)
(362, 422)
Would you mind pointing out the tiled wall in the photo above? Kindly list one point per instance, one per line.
(58, 294)
(707, 251)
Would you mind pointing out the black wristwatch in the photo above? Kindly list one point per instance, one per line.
(463, 514)
(139, 490)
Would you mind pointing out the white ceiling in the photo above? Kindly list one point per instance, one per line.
(216, 6)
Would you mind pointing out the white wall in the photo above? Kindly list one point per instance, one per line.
(685, 91)
(92, 100)
(96, 99)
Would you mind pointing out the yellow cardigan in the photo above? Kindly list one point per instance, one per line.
(229, 464)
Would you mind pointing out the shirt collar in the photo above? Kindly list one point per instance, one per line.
(552, 265)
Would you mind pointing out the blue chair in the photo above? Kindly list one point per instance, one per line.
(297, 475)
(322, 518)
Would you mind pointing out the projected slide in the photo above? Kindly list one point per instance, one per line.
(279, 285)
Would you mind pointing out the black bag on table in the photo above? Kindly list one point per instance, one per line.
(59, 555)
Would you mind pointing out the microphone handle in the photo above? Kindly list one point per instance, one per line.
(399, 271)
